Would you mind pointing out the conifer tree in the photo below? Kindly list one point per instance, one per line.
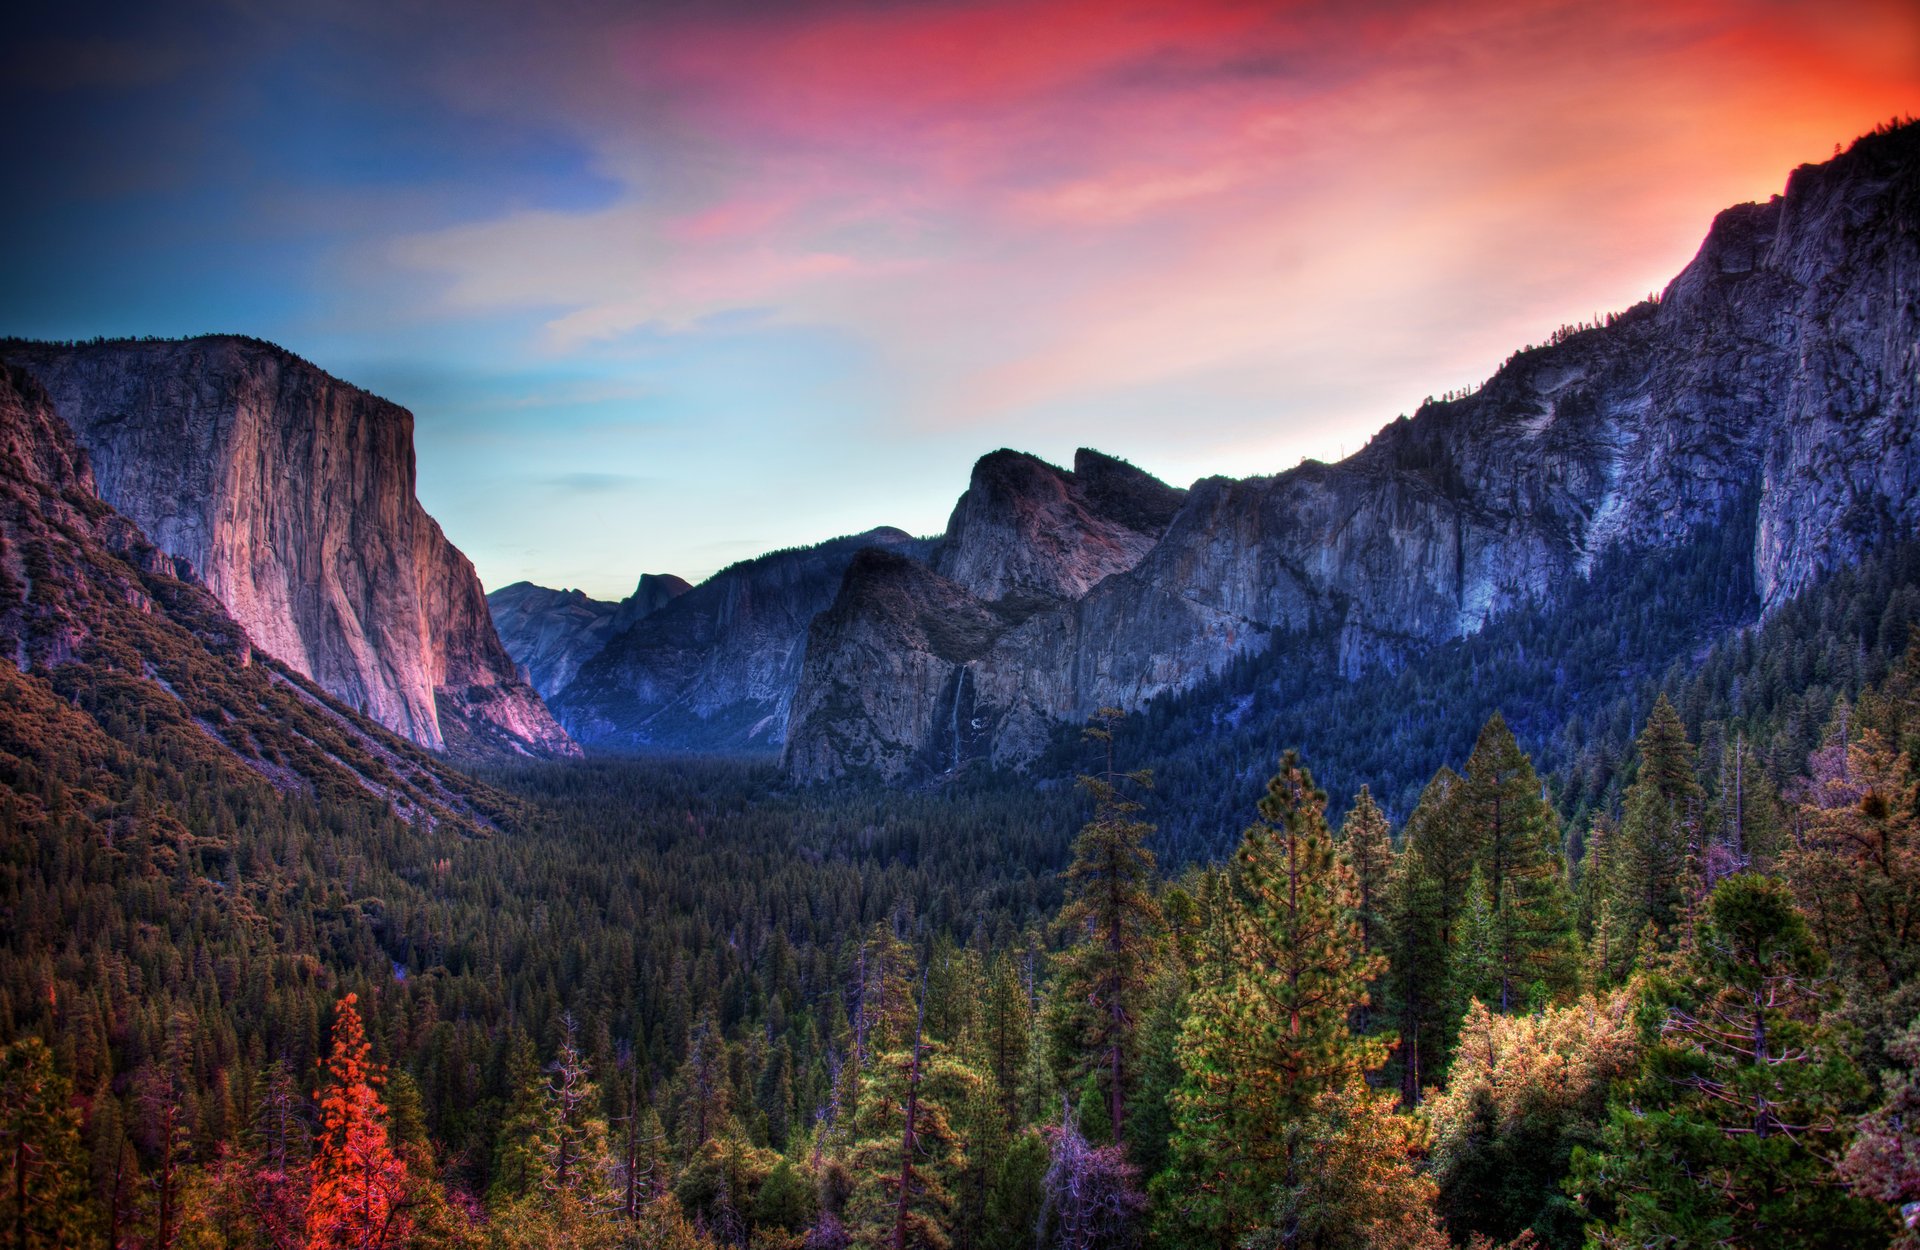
(1352, 1181)
(1474, 967)
(1366, 843)
(520, 1143)
(1449, 845)
(907, 1154)
(1518, 838)
(1417, 982)
(358, 1201)
(45, 1199)
(1660, 828)
(1733, 1133)
(1856, 866)
(1266, 1039)
(1113, 923)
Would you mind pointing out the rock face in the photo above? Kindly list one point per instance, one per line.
(715, 668)
(291, 494)
(924, 668)
(551, 633)
(112, 650)
(1779, 372)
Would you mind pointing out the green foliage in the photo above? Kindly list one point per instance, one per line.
(40, 1148)
(1732, 1132)
(1269, 1032)
(1111, 922)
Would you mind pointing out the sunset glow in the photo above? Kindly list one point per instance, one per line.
(671, 286)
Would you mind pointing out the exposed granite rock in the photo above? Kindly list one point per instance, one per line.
(1779, 372)
(1026, 529)
(111, 648)
(291, 493)
(715, 669)
(551, 633)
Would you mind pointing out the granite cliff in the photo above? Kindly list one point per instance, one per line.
(291, 496)
(113, 650)
(1777, 378)
(551, 633)
(715, 668)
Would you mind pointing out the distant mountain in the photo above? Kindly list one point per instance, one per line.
(1776, 382)
(924, 668)
(291, 494)
(551, 633)
(715, 668)
(118, 666)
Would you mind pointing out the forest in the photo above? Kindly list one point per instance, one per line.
(1661, 989)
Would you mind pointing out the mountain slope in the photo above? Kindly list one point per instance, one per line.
(551, 633)
(714, 669)
(1780, 372)
(291, 494)
(116, 656)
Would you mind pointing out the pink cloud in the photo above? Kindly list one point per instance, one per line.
(1021, 205)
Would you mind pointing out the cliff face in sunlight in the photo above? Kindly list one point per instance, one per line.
(291, 495)
(1778, 377)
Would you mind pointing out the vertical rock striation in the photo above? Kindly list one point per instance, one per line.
(291, 494)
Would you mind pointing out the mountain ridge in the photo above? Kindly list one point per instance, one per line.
(1780, 362)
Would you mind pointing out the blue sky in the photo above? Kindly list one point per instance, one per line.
(670, 285)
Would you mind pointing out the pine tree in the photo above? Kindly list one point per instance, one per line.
(1352, 1180)
(1367, 846)
(358, 1201)
(1518, 838)
(1855, 868)
(1113, 926)
(1267, 1037)
(1659, 832)
(907, 1154)
(45, 1202)
(1418, 983)
(1473, 966)
(1449, 845)
(1733, 1132)
(576, 1161)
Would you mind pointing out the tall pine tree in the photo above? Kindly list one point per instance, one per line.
(1267, 1038)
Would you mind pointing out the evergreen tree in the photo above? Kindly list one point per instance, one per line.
(907, 1154)
(1419, 988)
(44, 1203)
(1855, 868)
(1367, 846)
(1659, 831)
(1112, 922)
(1474, 966)
(1732, 1134)
(1271, 1033)
(1518, 838)
(1351, 1180)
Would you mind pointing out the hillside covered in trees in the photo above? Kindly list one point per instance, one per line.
(1667, 1000)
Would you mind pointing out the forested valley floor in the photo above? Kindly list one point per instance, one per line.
(675, 1004)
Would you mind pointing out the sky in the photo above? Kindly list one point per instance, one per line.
(669, 285)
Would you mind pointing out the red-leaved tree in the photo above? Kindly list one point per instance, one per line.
(359, 1183)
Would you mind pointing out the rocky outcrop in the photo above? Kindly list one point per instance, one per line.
(1777, 377)
(551, 633)
(1027, 530)
(715, 669)
(291, 494)
(113, 652)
